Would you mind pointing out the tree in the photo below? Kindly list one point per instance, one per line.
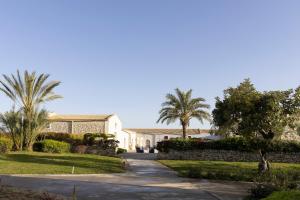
(183, 107)
(28, 93)
(246, 112)
(13, 125)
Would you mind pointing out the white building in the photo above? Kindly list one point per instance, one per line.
(111, 124)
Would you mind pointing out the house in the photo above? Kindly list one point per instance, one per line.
(147, 138)
(111, 124)
(80, 124)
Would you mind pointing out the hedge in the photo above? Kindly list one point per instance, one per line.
(73, 139)
(52, 146)
(5, 144)
(234, 144)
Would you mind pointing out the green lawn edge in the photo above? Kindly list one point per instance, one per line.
(49, 163)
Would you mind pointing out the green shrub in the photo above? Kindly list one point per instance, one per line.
(270, 182)
(73, 139)
(234, 144)
(5, 144)
(121, 150)
(96, 138)
(52, 146)
(262, 191)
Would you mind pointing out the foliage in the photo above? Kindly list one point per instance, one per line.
(5, 145)
(28, 93)
(13, 125)
(262, 190)
(267, 183)
(104, 141)
(95, 138)
(73, 139)
(248, 112)
(284, 195)
(49, 163)
(233, 143)
(52, 146)
(79, 149)
(183, 107)
(235, 171)
(121, 150)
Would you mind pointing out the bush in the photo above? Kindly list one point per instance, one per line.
(268, 183)
(5, 144)
(120, 150)
(52, 146)
(96, 138)
(262, 191)
(234, 144)
(73, 139)
(79, 149)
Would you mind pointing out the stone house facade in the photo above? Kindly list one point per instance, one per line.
(81, 124)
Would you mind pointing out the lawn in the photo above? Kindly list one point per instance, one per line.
(46, 163)
(242, 171)
(284, 195)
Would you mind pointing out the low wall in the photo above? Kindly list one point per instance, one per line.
(226, 155)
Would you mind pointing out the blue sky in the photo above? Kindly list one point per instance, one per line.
(124, 56)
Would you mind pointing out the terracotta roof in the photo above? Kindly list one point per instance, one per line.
(168, 131)
(56, 117)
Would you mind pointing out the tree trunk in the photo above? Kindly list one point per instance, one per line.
(264, 164)
(184, 130)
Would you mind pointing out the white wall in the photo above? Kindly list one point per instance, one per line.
(123, 138)
(142, 138)
(113, 125)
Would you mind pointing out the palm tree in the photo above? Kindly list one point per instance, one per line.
(28, 93)
(183, 107)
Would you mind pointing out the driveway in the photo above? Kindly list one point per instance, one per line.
(146, 179)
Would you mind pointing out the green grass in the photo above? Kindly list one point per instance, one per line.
(284, 195)
(240, 171)
(47, 163)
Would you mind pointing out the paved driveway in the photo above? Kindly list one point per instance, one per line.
(145, 180)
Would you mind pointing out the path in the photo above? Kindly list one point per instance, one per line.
(145, 180)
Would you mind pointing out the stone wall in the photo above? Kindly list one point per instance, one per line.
(89, 127)
(60, 127)
(225, 155)
(78, 127)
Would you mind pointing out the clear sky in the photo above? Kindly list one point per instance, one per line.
(124, 56)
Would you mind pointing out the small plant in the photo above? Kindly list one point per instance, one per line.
(121, 150)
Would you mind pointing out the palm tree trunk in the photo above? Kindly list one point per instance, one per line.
(183, 130)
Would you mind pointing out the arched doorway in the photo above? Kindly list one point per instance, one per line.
(148, 144)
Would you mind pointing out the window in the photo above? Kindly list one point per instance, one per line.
(166, 137)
